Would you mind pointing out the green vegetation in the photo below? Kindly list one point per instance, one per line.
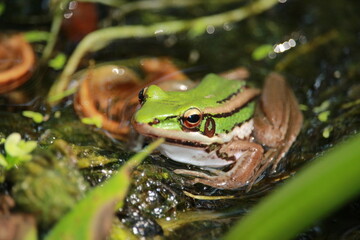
(35, 116)
(17, 151)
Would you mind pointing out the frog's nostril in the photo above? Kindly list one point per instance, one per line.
(155, 121)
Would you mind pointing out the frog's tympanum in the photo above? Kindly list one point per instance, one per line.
(222, 124)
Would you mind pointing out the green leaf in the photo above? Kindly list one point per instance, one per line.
(323, 107)
(57, 114)
(36, 36)
(323, 116)
(303, 107)
(11, 144)
(27, 147)
(35, 116)
(96, 209)
(58, 62)
(327, 131)
(3, 161)
(16, 147)
(314, 192)
(97, 121)
(17, 150)
(261, 52)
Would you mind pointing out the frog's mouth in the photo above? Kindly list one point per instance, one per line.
(189, 139)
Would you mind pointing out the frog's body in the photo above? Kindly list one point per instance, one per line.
(215, 125)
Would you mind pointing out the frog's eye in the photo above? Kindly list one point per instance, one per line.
(141, 95)
(192, 118)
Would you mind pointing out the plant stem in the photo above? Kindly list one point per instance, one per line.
(154, 4)
(55, 29)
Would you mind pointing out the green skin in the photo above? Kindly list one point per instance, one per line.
(168, 107)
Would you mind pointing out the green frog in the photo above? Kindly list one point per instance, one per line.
(233, 131)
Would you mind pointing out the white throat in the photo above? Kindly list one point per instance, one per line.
(193, 156)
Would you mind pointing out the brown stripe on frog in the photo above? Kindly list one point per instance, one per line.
(180, 142)
(186, 143)
(236, 103)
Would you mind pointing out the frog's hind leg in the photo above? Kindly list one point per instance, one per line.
(277, 120)
(240, 174)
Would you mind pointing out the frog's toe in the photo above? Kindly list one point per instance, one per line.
(215, 171)
(191, 173)
(219, 180)
(221, 183)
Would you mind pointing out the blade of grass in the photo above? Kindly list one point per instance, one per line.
(322, 187)
(93, 214)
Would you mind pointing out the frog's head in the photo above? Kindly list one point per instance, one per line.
(195, 116)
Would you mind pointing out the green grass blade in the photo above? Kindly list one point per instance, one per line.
(317, 190)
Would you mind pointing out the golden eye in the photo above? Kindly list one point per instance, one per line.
(141, 95)
(192, 118)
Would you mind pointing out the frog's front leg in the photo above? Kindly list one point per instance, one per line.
(248, 157)
(277, 120)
